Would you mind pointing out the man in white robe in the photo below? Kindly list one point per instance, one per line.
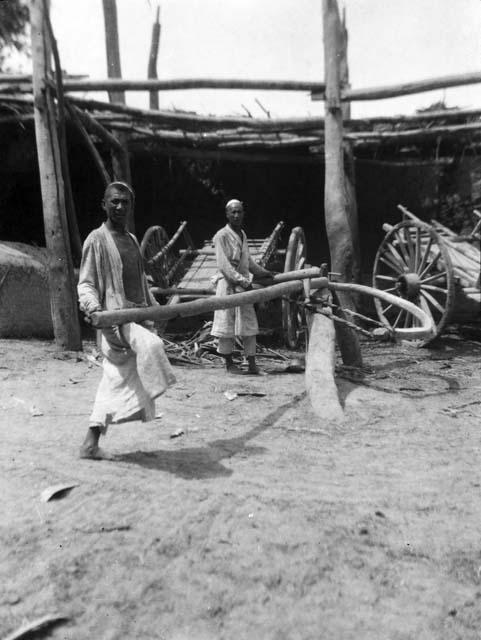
(135, 367)
(236, 273)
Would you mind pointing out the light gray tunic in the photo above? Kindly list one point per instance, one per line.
(236, 270)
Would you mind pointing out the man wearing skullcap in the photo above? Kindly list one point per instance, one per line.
(236, 271)
(135, 367)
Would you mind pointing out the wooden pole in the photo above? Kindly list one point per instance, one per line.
(321, 358)
(153, 55)
(99, 163)
(337, 221)
(344, 67)
(120, 161)
(63, 297)
(207, 305)
(349, 161)
(74, 233)
(112, 48)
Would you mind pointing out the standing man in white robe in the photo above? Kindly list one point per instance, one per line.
(236, 273)
(135, 367)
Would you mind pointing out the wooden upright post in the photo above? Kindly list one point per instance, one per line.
(63, 298)
(154, 52)
(349, 162)
(120, 160)
(337, 220)
(112, 47)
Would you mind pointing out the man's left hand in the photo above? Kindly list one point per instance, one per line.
(266, 280)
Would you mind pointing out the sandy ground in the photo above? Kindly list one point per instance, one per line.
(260, 521)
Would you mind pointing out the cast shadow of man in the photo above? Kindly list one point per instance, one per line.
(206, 462)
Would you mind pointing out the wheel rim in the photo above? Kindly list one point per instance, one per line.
(154, 240)
(293, 317)
(413, 263)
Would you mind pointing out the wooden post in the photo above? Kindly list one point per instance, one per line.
(336, 216)
(120, 161)
(152, 66)
(344, 66)
(74, 233)
(112, 47)
(321, 357)
(63, 298)
(349, 162)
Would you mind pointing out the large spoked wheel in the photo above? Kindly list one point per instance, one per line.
(413, 263)
(154, 240)
(293, 317)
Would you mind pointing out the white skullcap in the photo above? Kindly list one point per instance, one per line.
(232, 203)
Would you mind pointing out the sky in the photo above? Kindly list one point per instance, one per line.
(390, 41)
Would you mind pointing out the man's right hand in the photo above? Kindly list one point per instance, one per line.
(88, 314)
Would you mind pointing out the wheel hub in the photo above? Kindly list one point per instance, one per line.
(409, 286)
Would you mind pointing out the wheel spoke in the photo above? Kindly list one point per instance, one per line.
(388, 260)
(398, 318)
(425, 257)
(397, 256)
(433, 301)
(426, 308)
(435, 289)
(402, 249)
(411, 252)
(435, 277)
(430, 265)
(406, 319)
(390, 278)
(417, 248)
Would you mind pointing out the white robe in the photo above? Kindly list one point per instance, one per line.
(236, 270)
(135, 367)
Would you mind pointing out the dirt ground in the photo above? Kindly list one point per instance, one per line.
(260, 521)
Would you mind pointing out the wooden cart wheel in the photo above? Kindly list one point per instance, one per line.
(293, 317)
(155, 238)
(413, 263)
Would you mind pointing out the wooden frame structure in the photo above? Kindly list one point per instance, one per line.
(243, 138)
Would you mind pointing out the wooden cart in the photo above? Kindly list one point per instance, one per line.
(179, 272)
(432, 266)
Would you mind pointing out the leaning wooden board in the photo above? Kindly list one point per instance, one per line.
(204, 267)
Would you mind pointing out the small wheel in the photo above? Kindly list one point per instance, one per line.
(413, 263)
(293, 317)
(155, 238)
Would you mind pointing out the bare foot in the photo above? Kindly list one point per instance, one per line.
(95, 453)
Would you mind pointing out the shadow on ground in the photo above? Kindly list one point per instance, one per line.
(206, 462)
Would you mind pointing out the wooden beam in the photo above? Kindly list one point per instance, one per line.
(74, 233)
(412, 135)
(338, 227)
(120, 159)
(198, 307)
(408, 88)
(220, 155)
(153, 55)
(98, 162)
(63, 298)
(112, 49)
(152, 84)
(97, 129)
(8, 78)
